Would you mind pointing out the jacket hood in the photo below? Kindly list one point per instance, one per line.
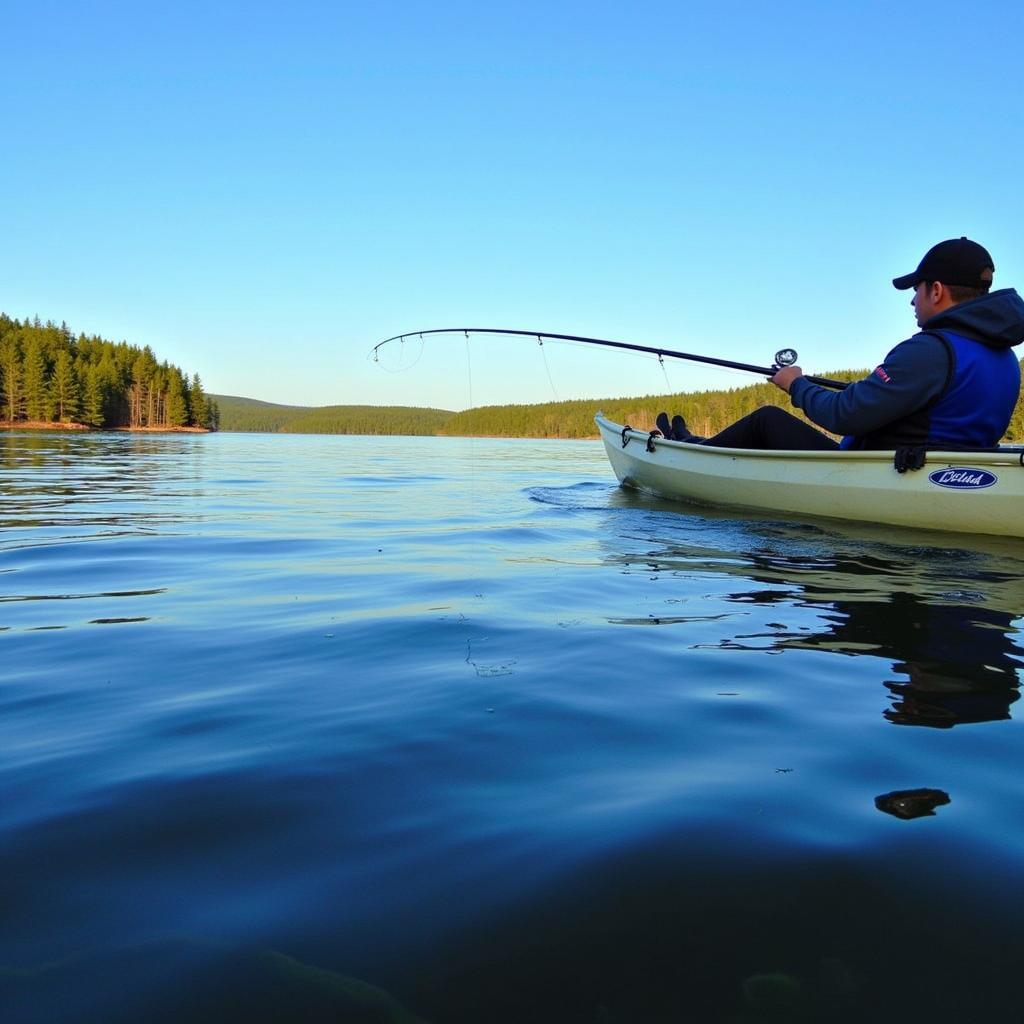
(996, 319)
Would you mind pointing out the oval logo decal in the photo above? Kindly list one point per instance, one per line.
(963, 478)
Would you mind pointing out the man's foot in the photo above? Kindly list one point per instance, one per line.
(680, 431)
(661, 421)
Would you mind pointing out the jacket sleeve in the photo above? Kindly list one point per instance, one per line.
(914, 373)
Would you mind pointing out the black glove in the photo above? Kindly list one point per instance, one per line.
(909, 457)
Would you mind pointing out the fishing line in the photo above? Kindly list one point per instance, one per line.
(668, 383)
(547, 368)
(400, 368)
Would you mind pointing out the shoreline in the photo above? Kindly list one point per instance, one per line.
(45, 425)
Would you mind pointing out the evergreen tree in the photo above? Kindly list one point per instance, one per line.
(177, 408)
(37, 394)
(64, 388)
(11, 377)
(115, 399)
(92, 404)
(155, 398)
(197, 403)
(139, 392)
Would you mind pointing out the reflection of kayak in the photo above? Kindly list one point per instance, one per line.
(963, 492)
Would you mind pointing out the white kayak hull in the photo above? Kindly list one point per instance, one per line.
(961, 492)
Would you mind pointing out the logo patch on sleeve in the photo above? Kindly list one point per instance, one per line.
(882, 375)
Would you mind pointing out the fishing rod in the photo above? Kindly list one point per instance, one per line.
(784, 357)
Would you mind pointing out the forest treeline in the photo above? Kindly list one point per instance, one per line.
(48, 375)
(706, 412)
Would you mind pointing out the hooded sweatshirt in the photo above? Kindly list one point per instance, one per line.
(955, 383)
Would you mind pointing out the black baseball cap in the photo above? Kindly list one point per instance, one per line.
(955, 261)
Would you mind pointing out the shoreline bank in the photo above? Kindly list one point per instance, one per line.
(54, 425)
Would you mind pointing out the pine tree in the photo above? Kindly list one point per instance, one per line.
(37, 396)
(92, 405)
(197, 403)
(64, 388)
(11, 376)
(138, 393)
(155, 399)
(177, 408)
(115, 400)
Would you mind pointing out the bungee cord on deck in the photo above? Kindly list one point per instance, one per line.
(784, 357)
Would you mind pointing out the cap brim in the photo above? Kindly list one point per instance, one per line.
(907, 281)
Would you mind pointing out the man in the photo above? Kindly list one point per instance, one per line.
(952, 385)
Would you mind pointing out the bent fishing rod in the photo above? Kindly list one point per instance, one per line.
(784, 357)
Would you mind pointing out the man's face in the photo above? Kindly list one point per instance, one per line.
(924, 305)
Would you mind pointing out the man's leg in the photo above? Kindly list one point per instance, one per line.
(772, 428)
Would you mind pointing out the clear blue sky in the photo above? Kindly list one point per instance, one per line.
(262, 191)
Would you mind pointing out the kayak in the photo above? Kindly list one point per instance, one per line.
(961, 492)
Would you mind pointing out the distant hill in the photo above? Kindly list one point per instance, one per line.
(249, 415)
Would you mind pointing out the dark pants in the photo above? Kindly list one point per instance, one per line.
(772, 428)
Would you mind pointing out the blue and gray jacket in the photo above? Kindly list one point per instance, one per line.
(955, 383)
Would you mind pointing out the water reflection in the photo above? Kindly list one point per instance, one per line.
(959, 662)
(89, 480)
(946, 621)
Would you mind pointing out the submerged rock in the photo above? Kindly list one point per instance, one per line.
(773, 992)
(197, 980)
(912, 803)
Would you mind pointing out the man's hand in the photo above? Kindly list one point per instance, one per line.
(785, 377)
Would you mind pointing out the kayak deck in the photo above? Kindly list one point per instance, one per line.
(963, 492)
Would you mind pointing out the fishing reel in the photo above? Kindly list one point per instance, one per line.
(785, 357)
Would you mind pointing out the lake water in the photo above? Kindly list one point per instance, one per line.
(450, 730)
